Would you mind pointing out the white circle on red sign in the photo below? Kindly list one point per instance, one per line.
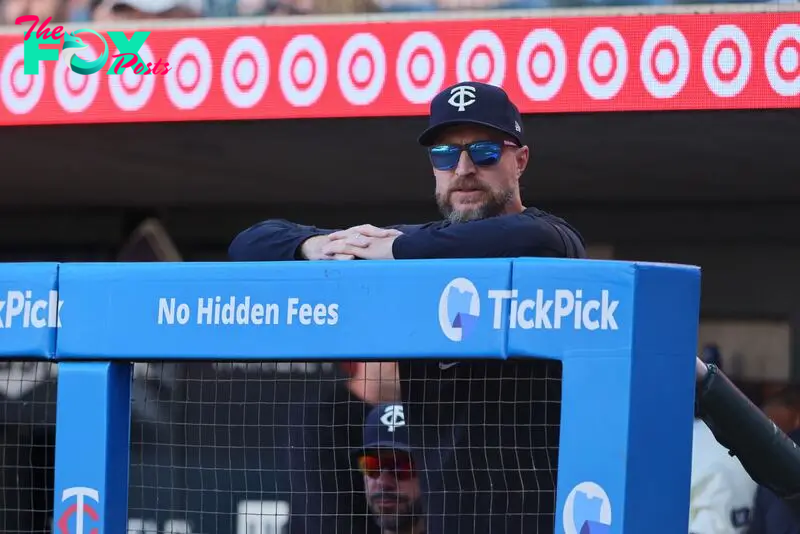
(245, 72)
(75, 92)
(542, 65)
(782, 60)
(20, 92)
(131, 91)
(481, 58)
(727, 60)
(303, 72)
(420, 67)
(190, 71)
(362, 69)
(664, 62)
(603, 63)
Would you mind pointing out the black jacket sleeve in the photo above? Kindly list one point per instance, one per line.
(280, 240)
(272, 240)
(770, 457)
(505, 236)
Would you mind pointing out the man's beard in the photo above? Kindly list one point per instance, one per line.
(494, 205)
(399, 520)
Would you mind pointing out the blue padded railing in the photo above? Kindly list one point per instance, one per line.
(626, 334)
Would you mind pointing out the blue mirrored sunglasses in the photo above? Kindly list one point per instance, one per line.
(482, 153)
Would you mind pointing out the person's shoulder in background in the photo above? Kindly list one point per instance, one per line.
(770, 514)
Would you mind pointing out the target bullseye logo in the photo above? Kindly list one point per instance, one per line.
(303, 71)
(603, 63)
(782, 60)
(665, 62)
(189, 78)
(76, 92)
(727, 60)
(131, 91)
(481, 58)
(542, 65)
(245, 72)
(20, 92)
(420, 67)
(362, 69)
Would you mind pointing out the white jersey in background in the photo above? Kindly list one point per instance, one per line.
(722, 493)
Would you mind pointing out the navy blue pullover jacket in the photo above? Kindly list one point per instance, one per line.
(532, 233)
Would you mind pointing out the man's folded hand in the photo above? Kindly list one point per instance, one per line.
(363, 241)
(362, 247)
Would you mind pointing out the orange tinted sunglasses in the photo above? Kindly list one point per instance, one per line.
(401, 465)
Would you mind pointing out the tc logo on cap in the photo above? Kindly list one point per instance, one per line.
(393, 417)
(462, 96)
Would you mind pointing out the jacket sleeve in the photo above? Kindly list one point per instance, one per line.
(272, 240)
(505, 236)
(280, 240)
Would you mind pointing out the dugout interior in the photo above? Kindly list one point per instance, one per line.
(716, 189)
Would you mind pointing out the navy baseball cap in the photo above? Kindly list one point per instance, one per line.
(385, 428)
(473, 103)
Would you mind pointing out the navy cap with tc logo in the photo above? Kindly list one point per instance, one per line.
(385, 428)
(473, 103)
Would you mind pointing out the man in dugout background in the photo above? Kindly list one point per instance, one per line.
(391, 478)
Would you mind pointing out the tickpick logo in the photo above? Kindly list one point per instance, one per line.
(587, 510)
(554, 310)
(459, 309)
(20, 309)
(460, 305)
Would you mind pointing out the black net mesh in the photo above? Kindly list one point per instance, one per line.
(488, 436)
(27, 431)
(270, 448)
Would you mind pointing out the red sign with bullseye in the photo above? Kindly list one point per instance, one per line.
(554, 65)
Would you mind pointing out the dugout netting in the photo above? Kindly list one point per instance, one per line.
(27, 438)
(263, 448)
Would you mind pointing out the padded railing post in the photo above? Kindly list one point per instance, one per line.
(93, 422)
(627, 337)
